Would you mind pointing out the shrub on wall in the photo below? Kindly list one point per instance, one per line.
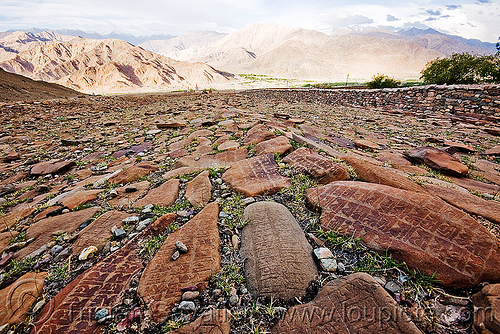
(383, 81)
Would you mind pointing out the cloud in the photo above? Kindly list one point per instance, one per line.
(391, 18)
(484, 1)
(451, 7)
(433, 12)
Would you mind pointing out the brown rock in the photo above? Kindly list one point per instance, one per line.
(134, 172)
(181, 144)
(475, 185)
(279, 260)
(256, 176)
(200, 133)
(162, 280)
(51, 167)
(488, 170)
(165, 195)
(181, 171)
(351, 304)
(257, 134)
(453, 147)
(42, 230)
(324, 170)
(493, 131)
(219, 160)
(381, 175)
(128, 198)
(181, 152)
(228, 146)
(311, 131)
(437, 159)
(199, 190)
(419, 229)
(11, 156)
(5, 238)
(366, 145)
(487, 309)
(172, 123)
(99, 231)
(72, 310)
(16, 299)
(214, 321)
(279, 145)
(493, 151)
(12, 218)
(80, 197)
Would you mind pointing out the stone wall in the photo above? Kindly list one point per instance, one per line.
(472, 99)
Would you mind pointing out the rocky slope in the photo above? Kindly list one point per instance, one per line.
(14, 87)
(276, 50)
(249, 212)
(108, 66)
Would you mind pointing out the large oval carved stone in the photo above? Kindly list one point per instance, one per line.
(279, 260)
(419, 229)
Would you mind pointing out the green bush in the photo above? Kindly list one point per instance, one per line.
(462, 68)
(383, 81)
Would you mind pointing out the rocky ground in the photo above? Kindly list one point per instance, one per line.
(229, 212)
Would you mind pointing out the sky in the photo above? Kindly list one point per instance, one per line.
(478, 19)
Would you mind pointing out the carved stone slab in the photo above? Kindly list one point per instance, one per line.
(162, 280)
(43, 229)
(351, 304)
(219, 160)
(17, 299)
(51, 167)
(279, 260)
(437, 159)
(257, 134)
(72, 310)
(279, 145)
(422, 230)
(164, 195)
(214, 321)
(199, 190)
(133, 173)
(99, 231)
(324, 170)
(256, 176)
(487, 309)
(12, 218)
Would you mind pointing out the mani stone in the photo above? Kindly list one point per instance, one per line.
(257, 134)
(161, 283)
(133, 173)
(279, 260)
(351, 304)
(164, 195)
(199, 190)
(279, 145)
(256, 176)
(324, 170)
(437, 159)
(72, 310)
(16, 299)
(51, 167)
(487, 309)
(214, 321)
(419, 229)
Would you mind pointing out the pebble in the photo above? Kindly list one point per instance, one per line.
(218, 180)
(190, 295)
(233, 300)
(56, 249)
(120, 233)
(147, 209)
(182, 213)
(222, 214)
(113, 193)
(248, 200)
(235, 240)
(38, 306)
(101, 313)
(88, 253)
(128, 220)
(225, 195)
(65, 211)
(393, 287)
(187, 307)
(216, 293)
(176, 255)
(131, 189)
(181, 247)
(326, 259)
(189, 288)
(340, 267)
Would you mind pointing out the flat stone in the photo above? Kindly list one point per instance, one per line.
(463, 199)
(279, 145)
(419, 229)
(88, 253)
(366, 145)
(351, 304)
(475, 185)
(133, 173)
(11, 156)
(487, 309)
(80, 197)
(51, 167)
(172, 123)
(437, 159)
(16, 299)
(181, 171)
(72, 309)
(324, 170)
(214, 321)
(488, 170)
(5, 238)
(161, 282)
(257, 134)
(493, 131)
(228, 145)
(12, 218)
(99, 231)
(127, 199)
(164, 195)
(381, 175)
(219, 160)
(199, 190)
(493, 151)
(340, 141)
(256, 176)
(453, 147)
(279, 260)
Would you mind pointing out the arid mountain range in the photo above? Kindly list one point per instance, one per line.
(206, 59)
